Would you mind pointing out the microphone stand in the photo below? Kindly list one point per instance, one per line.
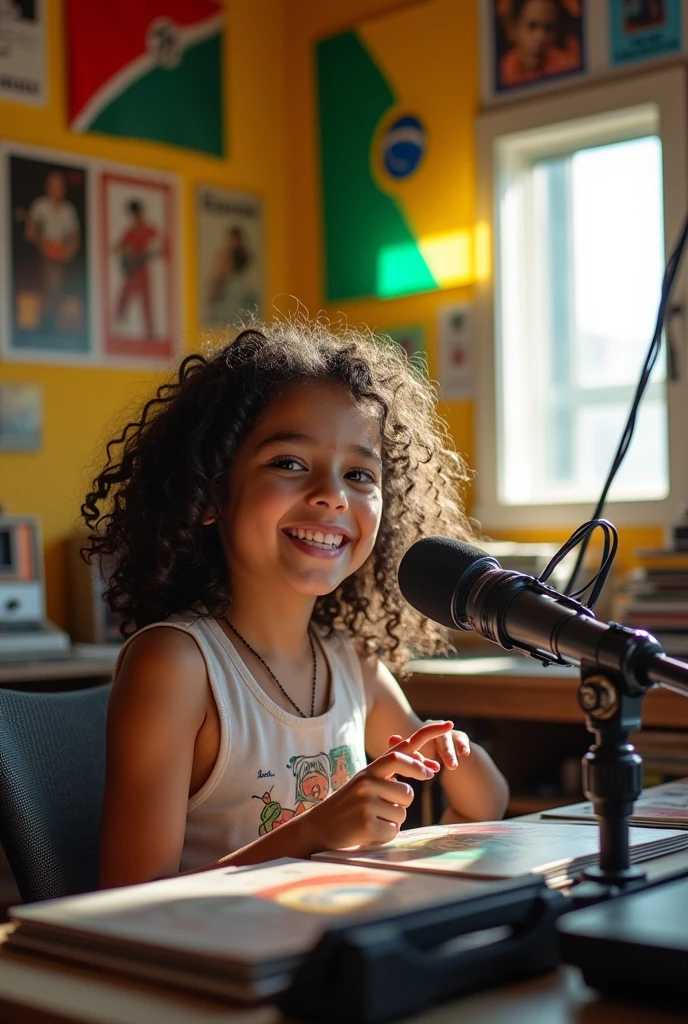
(626, 665)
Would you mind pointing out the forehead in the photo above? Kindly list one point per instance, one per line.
(322, 409)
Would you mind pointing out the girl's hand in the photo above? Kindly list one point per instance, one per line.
(446, 748)
(371, 807)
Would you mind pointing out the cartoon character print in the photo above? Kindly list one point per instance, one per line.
(312, 774)
(342, 766)
(273, 814)
(316, 776)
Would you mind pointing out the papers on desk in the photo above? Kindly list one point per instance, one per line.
(505, 849)
(665, 806)
(233, 932)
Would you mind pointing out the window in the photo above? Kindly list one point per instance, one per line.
(577, 208)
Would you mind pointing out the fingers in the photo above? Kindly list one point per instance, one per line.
(427, 732)
(429, 762)
(395, 763)
(444, 745)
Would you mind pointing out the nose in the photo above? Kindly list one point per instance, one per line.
(329, 492)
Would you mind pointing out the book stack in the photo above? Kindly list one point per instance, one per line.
(236, 933)
(664, 806)
(655, 597)
(504, 849)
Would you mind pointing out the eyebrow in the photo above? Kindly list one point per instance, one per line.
(288, 437)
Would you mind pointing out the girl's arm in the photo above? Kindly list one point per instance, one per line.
(475, 788)
(157, 708)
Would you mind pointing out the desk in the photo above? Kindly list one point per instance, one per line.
(518, 688)
(61, 674)
(32, 992)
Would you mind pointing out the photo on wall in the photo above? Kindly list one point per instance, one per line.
(643, 29)
(231, 260)
(23, 70)
(47, 285)
(536, 41)
(138, 252)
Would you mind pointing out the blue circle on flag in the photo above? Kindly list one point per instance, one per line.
(403, 146)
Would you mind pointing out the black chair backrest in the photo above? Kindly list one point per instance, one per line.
(52, 773)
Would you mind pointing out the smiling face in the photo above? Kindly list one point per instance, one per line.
(534, 32)
(305, 492)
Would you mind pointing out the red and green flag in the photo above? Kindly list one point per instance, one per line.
(148, 69)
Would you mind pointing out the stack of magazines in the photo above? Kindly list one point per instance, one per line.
(505, 849)
(664, 806)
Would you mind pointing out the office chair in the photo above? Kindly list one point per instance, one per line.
(52, 773)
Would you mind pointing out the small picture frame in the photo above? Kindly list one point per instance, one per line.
(138, 264)
(47, 285)
(21, 417)
(231, 256)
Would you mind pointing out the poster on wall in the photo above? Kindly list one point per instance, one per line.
(47, 286)
(535, 41)
(21, 417)
(231, 260)
(23, 77)
(151, 71)
(643, 29)
(455, 345)
(138, 254)
(396, 213)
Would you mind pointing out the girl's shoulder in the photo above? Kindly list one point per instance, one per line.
(164, 641)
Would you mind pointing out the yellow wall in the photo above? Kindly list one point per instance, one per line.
(270, 102)
(457, 40)
(81, 405)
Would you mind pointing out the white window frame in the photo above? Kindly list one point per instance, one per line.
(667, 89)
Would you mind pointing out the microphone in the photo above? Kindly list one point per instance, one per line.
(462, 587)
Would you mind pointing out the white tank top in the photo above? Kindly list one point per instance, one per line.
(271, 765)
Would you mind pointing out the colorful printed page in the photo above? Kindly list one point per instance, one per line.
(667, 803)
(493, 849)
(235, 916)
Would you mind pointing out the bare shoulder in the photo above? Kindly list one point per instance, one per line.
(163, 663)
(376, 676)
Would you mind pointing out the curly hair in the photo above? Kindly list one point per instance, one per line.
(146, 508)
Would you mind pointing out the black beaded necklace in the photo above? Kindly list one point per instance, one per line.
(274, 677)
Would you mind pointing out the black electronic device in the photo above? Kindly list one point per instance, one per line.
(633, 946)
(388, 968)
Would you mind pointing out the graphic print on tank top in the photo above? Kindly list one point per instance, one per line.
(315, 777)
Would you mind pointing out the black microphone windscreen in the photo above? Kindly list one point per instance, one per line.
(434, 569)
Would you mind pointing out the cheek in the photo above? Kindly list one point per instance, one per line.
(369, 515)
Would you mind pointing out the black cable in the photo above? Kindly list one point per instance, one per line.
(650, 360)
(582, 535)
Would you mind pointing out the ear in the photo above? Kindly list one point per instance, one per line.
(210, 518)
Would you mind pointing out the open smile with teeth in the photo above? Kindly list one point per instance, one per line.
(325, 541)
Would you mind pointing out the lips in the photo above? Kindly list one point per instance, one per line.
(321, 542)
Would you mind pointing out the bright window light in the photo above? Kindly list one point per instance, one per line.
(580, 261)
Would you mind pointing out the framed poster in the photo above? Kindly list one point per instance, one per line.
(643, 29)
(536, 41)
(47, 286)
(138, 257)
(23, 77)
(455, 343)
(21, 417)
(231, 258)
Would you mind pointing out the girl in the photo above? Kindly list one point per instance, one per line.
(540, 45)
(253, 520)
